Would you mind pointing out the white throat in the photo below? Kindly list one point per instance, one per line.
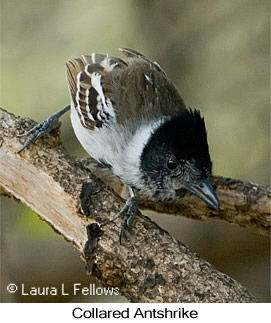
(117, 147)
(129, 169)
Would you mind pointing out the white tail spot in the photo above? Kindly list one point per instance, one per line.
(77, 98)
(103, 104)
(86, 70)
(87, 106)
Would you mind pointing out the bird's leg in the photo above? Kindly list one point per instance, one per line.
(43, 128)
(129, 210)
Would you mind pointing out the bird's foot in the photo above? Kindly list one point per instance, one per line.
(129, 211)
(41, 129)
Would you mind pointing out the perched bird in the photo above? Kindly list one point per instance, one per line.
(129, 116)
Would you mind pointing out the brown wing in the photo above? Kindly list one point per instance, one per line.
(106, 89)
(144, 91)
(133, 53)
(90, 88)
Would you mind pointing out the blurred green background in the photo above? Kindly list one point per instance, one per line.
(217, 54)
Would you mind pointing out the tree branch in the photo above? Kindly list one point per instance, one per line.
(152, 267)
(245, 204)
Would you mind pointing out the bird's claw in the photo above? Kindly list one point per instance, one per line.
(42, 128)
(129, 210)
(39, 130)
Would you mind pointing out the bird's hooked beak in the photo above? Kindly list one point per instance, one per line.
(204, 191)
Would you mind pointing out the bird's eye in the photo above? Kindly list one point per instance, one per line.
(171, 164)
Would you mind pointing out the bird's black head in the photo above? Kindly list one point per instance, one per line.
(177, 157)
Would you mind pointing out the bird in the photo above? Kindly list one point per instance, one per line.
(128, 115)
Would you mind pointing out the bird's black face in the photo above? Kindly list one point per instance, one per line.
(177, 158)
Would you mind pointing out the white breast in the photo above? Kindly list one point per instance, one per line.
(100, 143)
(116, 146)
